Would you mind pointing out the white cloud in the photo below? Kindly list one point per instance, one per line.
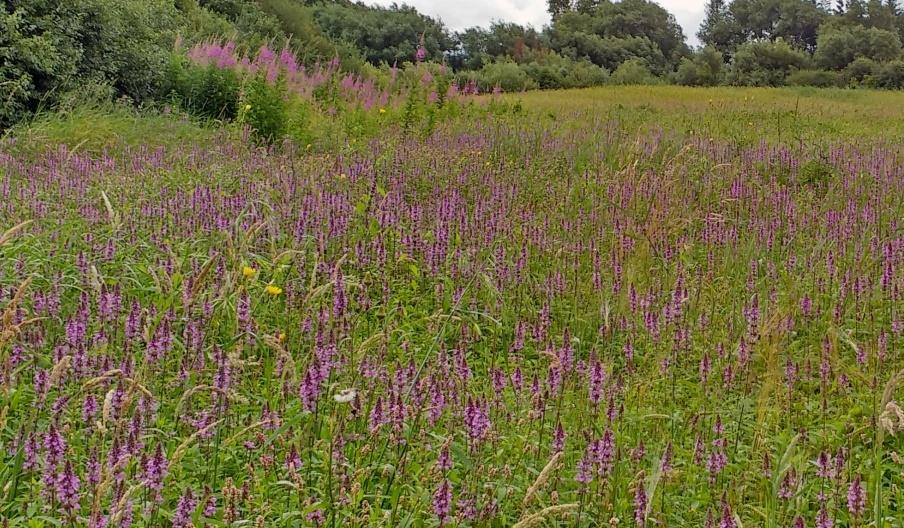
(461, 14)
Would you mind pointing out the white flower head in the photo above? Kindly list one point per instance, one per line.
(345, 395)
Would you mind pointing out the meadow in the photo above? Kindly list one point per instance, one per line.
(620, 306)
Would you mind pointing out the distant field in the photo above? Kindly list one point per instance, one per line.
(737, 113)
(620, 307)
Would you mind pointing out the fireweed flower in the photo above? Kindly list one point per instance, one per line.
(558, 438)
(184, 510)
(584, 469)
(640, 504)
(727, 517)
(477, 422)
(67, 488)
(823, 520)
(856, 497)
(442, 501)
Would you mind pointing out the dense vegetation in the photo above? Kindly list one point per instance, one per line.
(631, 306)
(52, 52)
(284, 263)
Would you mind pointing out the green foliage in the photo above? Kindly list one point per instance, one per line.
(264, 108)
(384, 35)
(551, 70)
(48, 48)
(704, 69)
(306, 38)
(766, 63)
(610, 33)
(205, 91)
(839, 45)
(507, 75)
(501, 40)
(794, 21)
(718, 29)
(94, 126)
(891, 76)
(818, 78)
(860, 71)
(633, 71)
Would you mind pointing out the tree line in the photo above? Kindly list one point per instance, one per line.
(121, 48)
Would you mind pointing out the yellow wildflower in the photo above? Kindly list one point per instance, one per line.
(274, 290)
(382, 110)
(248, 271)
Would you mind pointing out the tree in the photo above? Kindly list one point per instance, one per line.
(839, 44)
(718, 29)
(384, 35)
(704, 69)
(501, 40)
(48, 48)
(766, 63)
(614, 32)
(795, 21)
(856, 12)
(880, 15)
(557, 8)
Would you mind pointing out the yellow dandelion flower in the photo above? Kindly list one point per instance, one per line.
(248, 271)
(382, 110)
(274, 290)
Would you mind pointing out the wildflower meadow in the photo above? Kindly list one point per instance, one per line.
(613, 307)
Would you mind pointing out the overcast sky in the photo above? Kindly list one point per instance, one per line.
(461, 14)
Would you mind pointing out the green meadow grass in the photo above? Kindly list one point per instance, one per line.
(741, 114)
(429, 322)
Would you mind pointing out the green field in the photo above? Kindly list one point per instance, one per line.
(617, 306)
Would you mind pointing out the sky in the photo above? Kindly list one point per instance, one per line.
(461, 14)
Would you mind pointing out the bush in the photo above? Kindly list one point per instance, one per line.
(584, 73)
(634, 71)
(48, 48)
(766, 63)
(264, 107)
(860, 71)
(818, 78)
(838, 46)
(551, 70)
(891, 76)
(207, 92)
(506, 75)
(704, 69)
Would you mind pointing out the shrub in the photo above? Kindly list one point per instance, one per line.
(207, 91)
(48, 48)
(766, 63)
(634, 71)
(551, 70)
(264, 107)
(891, 75)
(507, 75)
(584, 73)
(837, 46)
(703, 69)
(818, 78)
(860, 71)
